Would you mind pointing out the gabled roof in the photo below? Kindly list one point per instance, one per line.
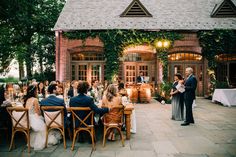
(225, 9)
(166, 15)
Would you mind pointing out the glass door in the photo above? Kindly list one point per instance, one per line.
(197, 71)
(96, 72)
(130, 73)
(82, 72)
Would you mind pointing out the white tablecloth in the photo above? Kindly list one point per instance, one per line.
(225, 96)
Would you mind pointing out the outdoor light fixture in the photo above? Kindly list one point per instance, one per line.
(162, 44)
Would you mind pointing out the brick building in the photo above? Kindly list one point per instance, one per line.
(84, 60)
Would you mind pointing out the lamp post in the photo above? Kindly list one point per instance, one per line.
(161, 47)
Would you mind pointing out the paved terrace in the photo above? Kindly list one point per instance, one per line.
(212, 135)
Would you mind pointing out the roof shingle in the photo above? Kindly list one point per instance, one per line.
(166, 15)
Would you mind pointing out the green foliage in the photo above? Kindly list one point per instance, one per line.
(166, 88)
(28, 26)
(116, 40)
(163, 55)
(9, 80)
(220, 84)
(216, 42)
(46, 75)
(213, 43)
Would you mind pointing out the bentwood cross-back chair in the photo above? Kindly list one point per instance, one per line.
(113, 120)
(20, 123)
(82, 124)
(54, 119)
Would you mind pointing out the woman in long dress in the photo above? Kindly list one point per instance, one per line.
(177, 100)
(37, 124)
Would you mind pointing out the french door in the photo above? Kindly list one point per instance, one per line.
(132, 70)
(87, 71)
(197, 71)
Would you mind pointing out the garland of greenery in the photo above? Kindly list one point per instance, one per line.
(116, 40)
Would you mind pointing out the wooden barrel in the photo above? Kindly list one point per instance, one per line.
(133, 94)
(145, 93)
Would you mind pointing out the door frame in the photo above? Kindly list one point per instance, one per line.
(200, 86)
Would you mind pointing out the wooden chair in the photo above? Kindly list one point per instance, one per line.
(83, 124)
(20, 123)
(54, 119)
(114, 121)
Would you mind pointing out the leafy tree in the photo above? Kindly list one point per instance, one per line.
(29, 27)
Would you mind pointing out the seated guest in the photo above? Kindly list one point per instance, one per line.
(122, 90)
(111, 99)
(60, 91)
(74, 89)
(94, 91)
(82, 100)
(41, 91)
(5, 119)
(125, 101)
(53, 100)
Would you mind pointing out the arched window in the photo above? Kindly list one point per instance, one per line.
(87, 56)
(226, 57)
(134, 57)
(184, 56)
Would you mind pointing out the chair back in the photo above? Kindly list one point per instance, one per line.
(19, 117)
(86, 121)
(115, 116)
(53, 115)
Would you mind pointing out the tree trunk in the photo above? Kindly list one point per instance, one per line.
(21, 70)
(28, 62)
(41, 64)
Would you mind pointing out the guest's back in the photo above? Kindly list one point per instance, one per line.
(116, 101)
(112, 99)
(82, 100)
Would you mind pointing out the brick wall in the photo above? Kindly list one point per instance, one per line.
(64, 47)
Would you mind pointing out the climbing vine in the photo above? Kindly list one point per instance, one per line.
(213, 43)
(116, 40)
(216, 42)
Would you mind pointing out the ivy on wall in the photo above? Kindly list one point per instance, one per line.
(216, 42)
(116, 40)
(213, 43)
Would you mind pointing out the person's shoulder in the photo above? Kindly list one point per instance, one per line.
(59, 99)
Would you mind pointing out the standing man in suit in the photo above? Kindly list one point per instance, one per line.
(140, 78)
(189, 95)
(53, 100)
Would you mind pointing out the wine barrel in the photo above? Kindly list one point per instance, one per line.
(145, 93)
(133, 94)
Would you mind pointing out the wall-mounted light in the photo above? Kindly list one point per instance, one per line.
(162, 43)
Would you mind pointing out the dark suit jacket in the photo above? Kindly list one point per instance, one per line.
(52, 100)
(139, 79)
(190, 87)
(83, 100)
(71, 92)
